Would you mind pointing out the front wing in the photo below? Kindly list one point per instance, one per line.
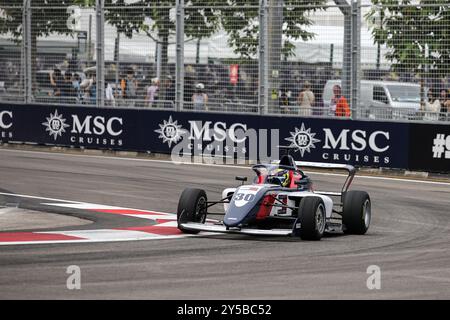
(222, 229)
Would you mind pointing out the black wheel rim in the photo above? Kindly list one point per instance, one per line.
(320, 218)
(200, 210)
(367, 213)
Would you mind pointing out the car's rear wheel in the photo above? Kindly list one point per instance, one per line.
(312, 217)
(357, 212)
(192, 207)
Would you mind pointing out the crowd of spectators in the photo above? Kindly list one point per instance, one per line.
(209, 88)
(437, 106)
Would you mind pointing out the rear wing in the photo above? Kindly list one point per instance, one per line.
(351, 170)
(335, 166)
(322, 165)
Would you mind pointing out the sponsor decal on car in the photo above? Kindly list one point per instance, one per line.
(244, 195)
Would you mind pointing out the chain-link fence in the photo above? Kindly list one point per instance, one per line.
(12, 83)
(365, 59)
(406, 71)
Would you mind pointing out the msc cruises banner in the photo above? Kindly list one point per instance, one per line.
(430, 147)
(230, 136)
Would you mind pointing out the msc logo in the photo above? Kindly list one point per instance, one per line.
(344, 144)
(97, 125)
(90, 130)
(170, 131)
(55, 125)
(303, 139)
(219, 131)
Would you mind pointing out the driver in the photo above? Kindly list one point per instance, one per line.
(280, 177)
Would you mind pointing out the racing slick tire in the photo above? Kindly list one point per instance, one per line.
(191, 208)
(312, 217)
(356, 214)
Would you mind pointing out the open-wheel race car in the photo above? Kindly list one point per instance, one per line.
(280, 201)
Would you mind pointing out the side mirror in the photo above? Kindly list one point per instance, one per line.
(241, 178)
(304, 183)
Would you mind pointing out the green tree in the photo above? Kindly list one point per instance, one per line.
(156, 18)
(242, 24)
(416, 34)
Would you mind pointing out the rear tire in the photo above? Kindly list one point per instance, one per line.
(191, 208)
(356, 214)
(312, 217)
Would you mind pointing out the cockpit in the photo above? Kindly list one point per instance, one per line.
(285, 173)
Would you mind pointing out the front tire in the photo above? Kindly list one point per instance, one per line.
(191, 208)
(312, 217)
(356, 214)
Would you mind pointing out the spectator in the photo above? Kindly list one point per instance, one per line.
(109, 95)
(152, 93)
(284, 98)
(199, 98)
(57, 81)
(76, 86)
(444, 101)
(447, 104)
(66, 90)
(306, 100)
(211, 77)
(129, 87)
(92, 89)
(170, 90)
(84, 93)
(432, 107)
(339, 105)
(189, 80)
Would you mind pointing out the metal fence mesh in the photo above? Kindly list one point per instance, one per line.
(303, 55)
(11, 53)
(220, 58)
(60, 53)
(406, 76)
(140, 62)
(367, 59)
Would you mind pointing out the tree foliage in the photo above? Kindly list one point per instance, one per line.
(47, 17)
(242, 24)
(239, 19)
(158, 17)
(415, 32)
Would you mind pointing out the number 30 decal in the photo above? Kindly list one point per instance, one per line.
(246, 197)
(242, 198)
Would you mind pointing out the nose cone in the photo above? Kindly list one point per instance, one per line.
(243, 205)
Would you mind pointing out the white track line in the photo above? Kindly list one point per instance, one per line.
(99, 235)
(83, 241)
(222, 166)
(78, 203)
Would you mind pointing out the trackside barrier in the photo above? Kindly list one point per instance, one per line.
(360, 143)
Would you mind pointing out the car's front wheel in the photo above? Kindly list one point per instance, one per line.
(312, 218)
(192, 207)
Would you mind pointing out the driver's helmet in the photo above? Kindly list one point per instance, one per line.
(280, 177)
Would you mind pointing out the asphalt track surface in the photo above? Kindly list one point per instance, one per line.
(408, 239)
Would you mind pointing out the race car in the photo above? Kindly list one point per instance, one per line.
(281, 201)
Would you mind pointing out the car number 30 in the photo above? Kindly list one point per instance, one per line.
(244, 196)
